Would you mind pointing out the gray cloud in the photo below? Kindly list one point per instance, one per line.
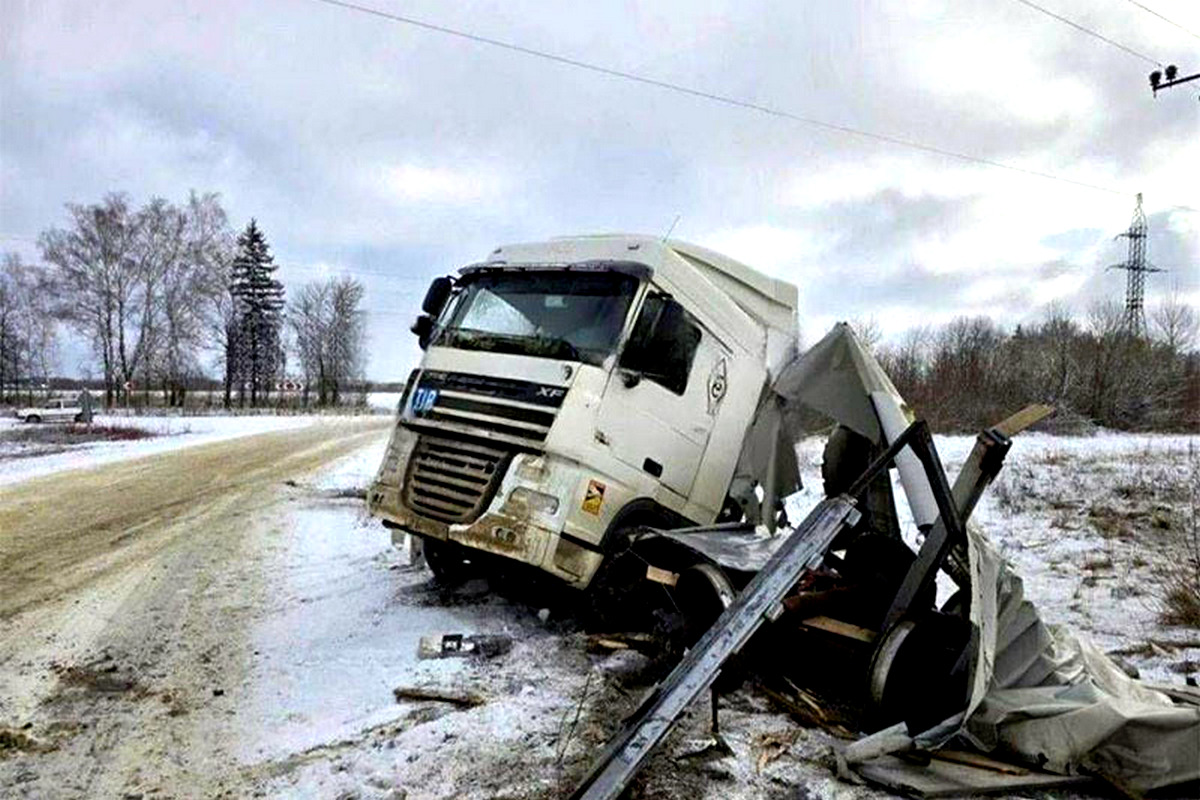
(362, 145)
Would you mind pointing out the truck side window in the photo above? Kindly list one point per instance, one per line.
(663, 343)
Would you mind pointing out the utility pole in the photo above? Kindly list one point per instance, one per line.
(1170, 73)
(1136, 267)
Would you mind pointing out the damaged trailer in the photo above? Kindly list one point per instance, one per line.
(981, 673)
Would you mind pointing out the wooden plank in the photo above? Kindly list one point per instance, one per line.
(1021, 420)
(978, 760)
(663, 576)
(460, 698)
(948, 779)
(839, 628)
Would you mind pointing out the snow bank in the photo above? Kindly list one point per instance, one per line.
(172, 433)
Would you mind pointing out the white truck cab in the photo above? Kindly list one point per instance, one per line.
(576, 387)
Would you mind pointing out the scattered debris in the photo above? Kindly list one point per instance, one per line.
(932, 671)
(17, 740)
(611, 642)
(770, 746)
(460, 698)
(946, 778)
(102, 676)
(457, 645)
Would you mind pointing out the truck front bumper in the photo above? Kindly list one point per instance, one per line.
(509, 527)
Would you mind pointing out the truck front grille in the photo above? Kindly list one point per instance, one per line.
(501, 409)
(453, 481)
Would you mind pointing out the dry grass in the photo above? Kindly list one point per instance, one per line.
(29, 441)
(1180, 592)
(74, 433)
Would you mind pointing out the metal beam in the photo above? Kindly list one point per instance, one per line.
(759, 602)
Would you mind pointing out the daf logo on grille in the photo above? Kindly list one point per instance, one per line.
(550, 392)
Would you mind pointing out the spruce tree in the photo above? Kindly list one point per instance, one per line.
(259, 301)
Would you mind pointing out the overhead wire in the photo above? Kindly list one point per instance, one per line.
(713, 96)
(1151, 11)
(1090, 32)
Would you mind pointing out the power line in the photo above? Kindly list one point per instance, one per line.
(718, 98)
(1164, 19)
(1091, 32)
(334, 271)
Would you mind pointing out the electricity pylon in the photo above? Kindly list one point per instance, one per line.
(1136, 267)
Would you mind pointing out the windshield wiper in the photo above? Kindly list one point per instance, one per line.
(545, 346)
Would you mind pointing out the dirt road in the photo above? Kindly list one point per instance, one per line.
(124, 594)
(59, 532)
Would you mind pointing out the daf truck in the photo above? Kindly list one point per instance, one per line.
(574, 389)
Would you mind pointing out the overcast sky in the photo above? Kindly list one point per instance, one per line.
(396, 154)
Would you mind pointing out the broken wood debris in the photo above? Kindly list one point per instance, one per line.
(948, 778)
(770, 746)
(663, 576)
(612, 642)
(458, 697)
(839, 628)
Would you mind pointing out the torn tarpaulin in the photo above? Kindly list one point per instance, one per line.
(1042, 696)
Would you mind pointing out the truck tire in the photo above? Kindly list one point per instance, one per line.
(621, 598)
(33, 419)
(447, 561)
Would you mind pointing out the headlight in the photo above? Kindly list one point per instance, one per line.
(535, 501)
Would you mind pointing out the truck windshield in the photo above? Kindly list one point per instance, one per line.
(552, 314)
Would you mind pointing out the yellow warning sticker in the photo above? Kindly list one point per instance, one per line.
(593, 498)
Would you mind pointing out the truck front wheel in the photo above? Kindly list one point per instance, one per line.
(447, 561)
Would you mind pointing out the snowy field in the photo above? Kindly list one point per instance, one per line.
(320, 617)
(21, 462)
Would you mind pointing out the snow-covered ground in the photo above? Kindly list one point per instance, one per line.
(385, 401)
(170, 433)
(349, 612)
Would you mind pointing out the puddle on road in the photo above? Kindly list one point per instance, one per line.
(342, 630)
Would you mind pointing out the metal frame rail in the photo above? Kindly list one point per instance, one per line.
(759, 602)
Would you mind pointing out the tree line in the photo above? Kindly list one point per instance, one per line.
(971, 372)
(166, 291)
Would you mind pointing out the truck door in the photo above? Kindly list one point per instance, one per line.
(656, 414)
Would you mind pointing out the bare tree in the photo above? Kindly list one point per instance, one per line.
(10, 329)
(1176, 324)
(192, 281)
(307, 319)
(868, 331)
(328, 325)
(347, 333)
(140, 284)
(91, 264)
(28, 331)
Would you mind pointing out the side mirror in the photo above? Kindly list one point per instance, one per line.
(436, 297)
(423, 328)
(630, 378)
